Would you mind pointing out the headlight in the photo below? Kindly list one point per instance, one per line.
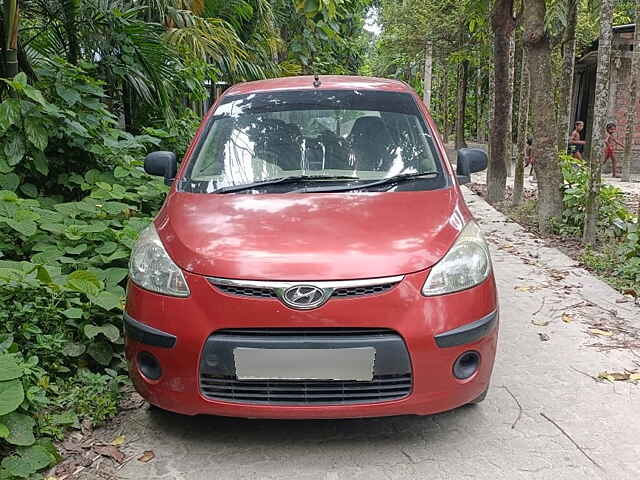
(152, 268)
(465, 265)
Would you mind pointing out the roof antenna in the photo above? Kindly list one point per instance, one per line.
(316, 80)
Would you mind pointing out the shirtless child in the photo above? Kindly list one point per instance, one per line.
(609, 153)
(576, 144)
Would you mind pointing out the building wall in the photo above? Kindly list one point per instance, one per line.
(620, 78)
(618, 95)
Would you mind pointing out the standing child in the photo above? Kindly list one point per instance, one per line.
(528, 157)
(576, 144)
(609, 154)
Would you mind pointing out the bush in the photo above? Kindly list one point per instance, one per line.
(612, 213)
(73, 198)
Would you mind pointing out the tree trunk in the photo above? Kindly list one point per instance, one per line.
(523, 120)
(632, 106)
(445, 108)
(479, 130)
(508, 156)
(502, 23)
(428, 71)
(568, 67)
(463, 81)
(490, 110)
(599, 123)
(11, 15)
(70, 8)
(544, 152)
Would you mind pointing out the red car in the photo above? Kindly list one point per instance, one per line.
(314, 258)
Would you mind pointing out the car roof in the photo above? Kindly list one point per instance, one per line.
(327, 82)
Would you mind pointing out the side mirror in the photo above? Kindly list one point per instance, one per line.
(470, 160)
(162, 164)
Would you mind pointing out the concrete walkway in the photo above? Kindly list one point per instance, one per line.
(545, 416)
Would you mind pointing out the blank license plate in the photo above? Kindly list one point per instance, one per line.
(304, 363)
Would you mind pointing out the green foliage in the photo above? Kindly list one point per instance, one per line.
(612, 213)
(73, 199)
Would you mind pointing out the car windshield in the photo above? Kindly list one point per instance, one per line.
(276, 141)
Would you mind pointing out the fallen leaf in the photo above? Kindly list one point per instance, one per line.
(71, 446)
(544, 337)
(614, 376)
(526, 288)
(118, 441)
(566, 318)
(540, 323)
(623, 300)
(147, 456)
(110, 451)
(602, 333)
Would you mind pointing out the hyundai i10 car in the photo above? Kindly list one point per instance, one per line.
(314, 258)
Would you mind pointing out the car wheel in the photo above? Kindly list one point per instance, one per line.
(479, 398)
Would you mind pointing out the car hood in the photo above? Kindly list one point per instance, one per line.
(328, 236)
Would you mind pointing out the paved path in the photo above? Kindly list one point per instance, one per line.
(506, 437)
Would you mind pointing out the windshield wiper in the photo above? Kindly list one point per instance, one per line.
(281, 181)
(378, 183)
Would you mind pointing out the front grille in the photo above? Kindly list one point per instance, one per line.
(360, 291)
(305, 332)
(265, 292)
(383, 388)
(247, 291)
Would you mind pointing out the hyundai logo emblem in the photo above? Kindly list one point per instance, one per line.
(304, 297)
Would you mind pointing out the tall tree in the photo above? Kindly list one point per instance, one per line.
(503, 24)
(11, 16)
(632, 106)
(544, 151)
(599, 122)
(523, 120)
(568, 67)
(463, 82)
(428, 69)
(508, 155)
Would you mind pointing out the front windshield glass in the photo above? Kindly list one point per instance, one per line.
(334, 137)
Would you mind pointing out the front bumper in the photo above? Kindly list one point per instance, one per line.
(434, 330)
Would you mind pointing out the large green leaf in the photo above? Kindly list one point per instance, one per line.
(9, 368)
(34, 94)
(107, 300)
(14, 149)
(114, 275)
(73, 349)
(28, 461)
(25, 227)
(108, 330)
(101, 352)
(84, 281)
(9, 181)
(36, 133)
(11, 396)
(9, 113)
(20, 428)
(72, 312)
(69, 95)
(41, 163)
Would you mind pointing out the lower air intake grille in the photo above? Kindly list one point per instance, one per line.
(383, 388)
